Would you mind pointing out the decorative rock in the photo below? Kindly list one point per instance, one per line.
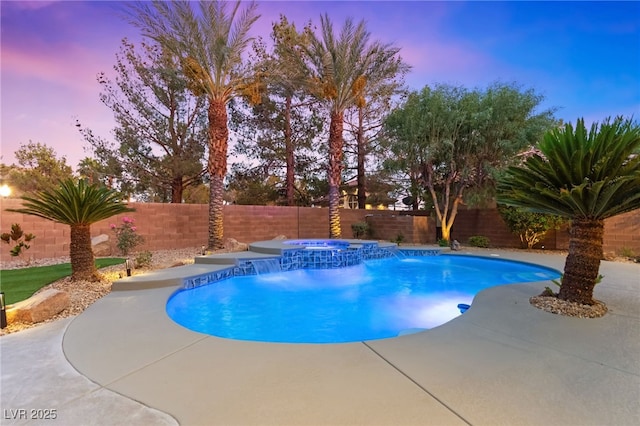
(233, 245)
(280, 237)
(39, 307)
(100, 245)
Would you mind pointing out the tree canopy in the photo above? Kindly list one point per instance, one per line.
(450, 141)
(38, 169)
(161, 132)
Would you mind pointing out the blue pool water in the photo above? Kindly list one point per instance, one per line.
(374, 300)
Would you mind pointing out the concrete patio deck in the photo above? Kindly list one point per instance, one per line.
(502, 362)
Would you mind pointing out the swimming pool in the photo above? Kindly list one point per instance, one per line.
(373, 300)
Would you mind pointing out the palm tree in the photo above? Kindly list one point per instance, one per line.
(209, 43)
(586, 176)
(341, 68)
(78, 205)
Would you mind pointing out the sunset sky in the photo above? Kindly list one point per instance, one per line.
(584, 57)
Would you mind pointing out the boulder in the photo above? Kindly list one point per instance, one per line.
(280, 237)
(232, 244)
(38, 307)
(100, 245)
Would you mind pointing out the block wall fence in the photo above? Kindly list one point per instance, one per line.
(171, 226)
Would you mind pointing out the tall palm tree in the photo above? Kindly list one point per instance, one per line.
(78, 205)
(341, 68)
(586, 176)
(210, 43)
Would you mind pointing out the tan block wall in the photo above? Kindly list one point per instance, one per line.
(486, 223)
(620, 232)
(167, 226)
(387, 225)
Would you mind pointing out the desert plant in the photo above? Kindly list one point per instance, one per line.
(479, 241)
(442, 242)
(586, 176)
(19, 238)
(360, 229)
(78, 205)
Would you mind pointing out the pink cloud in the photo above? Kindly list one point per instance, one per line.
(70, 65)
(33, 4)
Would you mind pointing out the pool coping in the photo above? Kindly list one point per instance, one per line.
(503, 361)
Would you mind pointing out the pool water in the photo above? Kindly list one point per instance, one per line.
(374, 300)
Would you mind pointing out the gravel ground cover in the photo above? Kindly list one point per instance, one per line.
(84, 293)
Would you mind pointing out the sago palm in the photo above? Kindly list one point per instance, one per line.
(210, 42)
(340, 68)
(586, 176)
(78, 205)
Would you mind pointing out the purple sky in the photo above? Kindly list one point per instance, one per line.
(584, 57)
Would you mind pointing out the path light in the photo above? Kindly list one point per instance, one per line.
(5, 191)
(3, 313)
(204, 250)
(129, 265)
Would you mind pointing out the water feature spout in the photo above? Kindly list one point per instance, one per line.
(266, 266)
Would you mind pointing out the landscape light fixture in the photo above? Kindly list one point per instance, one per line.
(204, 250)
(3, 313)
(129, 265)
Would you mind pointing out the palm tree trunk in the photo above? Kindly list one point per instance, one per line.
(335, 172)
(583, 261)
(362, 190)
(82, 262)
(217, 167)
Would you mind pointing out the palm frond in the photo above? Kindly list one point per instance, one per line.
(581, 174)
(74, 203)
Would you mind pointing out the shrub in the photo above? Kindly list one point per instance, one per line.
(126, 236)
(479, 241)
(399, 238)
(143, 259)
(443, 243)
(20, 239)
(360, 229)
(530, 227)
(627, 252)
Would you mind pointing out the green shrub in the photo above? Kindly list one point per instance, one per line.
(530, 227)
(143, 259)
(479, 241)
(360, 229)
(399, 238)
(627, 252)
(443, 243)
(19, 238)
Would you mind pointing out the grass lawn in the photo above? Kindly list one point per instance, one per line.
(20, 284)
